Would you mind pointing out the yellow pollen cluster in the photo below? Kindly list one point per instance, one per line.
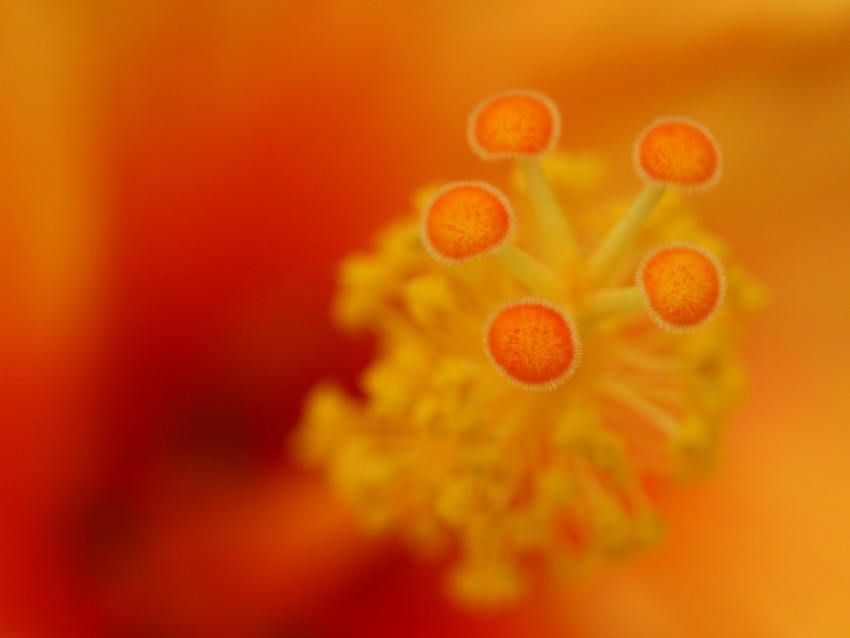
(543, 360)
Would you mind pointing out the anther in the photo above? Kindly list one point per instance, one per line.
(466, 219)
(682, 285)
(678, 152)
(674, 152)
(533, 344)
(525, 125)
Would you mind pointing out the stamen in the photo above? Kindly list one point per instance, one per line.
(438, 445)
(678, 152)
(466, 219)
(682, 285)
(533, 344)
(671, 152)
(525, 125)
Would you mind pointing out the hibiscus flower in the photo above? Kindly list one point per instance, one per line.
(181, 182)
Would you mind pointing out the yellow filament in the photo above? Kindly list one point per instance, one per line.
(539, 278)
(559, 242)
(614, 301)
(607, 255)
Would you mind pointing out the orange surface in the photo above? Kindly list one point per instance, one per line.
(178, 181)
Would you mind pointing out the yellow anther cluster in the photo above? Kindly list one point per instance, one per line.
(443, 448)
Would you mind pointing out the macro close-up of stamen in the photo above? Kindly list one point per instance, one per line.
(613, 344)
(454, 319)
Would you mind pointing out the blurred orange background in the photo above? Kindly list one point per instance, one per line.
(177, 182)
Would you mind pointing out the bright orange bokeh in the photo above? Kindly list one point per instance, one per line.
(177, 181)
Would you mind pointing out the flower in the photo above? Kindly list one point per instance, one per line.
(180, 178)
(551, 460)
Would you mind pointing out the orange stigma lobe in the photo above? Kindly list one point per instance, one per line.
(533, 344)
(682, 284)
(466, 219)
(516, 123)
(678, 152)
